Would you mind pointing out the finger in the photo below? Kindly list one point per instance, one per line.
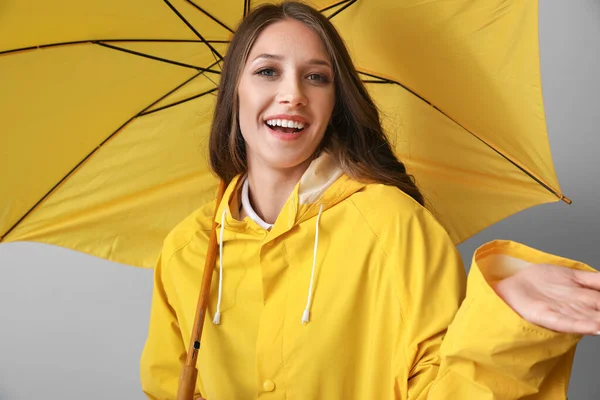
(582, 313)
(587, 279)
(583, 297)
(561, 322)
(579, 310)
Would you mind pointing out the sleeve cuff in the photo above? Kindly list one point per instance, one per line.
(500, 259)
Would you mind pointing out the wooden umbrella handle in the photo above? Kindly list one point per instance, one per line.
(189, 374)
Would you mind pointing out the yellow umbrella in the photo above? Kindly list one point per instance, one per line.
(105, 108)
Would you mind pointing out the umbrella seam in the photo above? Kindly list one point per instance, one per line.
(137, 53)
(492, 146)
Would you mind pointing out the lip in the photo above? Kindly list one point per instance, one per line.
(289, 117)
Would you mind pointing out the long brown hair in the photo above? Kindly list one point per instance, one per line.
(355, 136)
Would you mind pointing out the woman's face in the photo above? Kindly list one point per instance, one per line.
(286, 96)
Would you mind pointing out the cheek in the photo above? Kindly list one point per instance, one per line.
(243, 98)
(246, 109)
(326, 103)
(252, 101)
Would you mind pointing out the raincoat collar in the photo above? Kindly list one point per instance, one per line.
(323, 183)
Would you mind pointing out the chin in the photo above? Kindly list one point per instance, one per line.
(288, 162)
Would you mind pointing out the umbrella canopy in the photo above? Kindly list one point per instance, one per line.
(106, 106)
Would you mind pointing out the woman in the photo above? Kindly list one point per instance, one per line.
(334, 281)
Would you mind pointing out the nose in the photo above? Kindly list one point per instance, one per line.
(291, 93)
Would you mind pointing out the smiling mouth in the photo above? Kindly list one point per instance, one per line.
(287, 127)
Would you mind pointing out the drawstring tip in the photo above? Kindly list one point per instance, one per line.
(217, 319)
(305, 316)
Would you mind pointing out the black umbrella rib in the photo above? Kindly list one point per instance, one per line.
(209, 15)
(334, 5)
(380, 79)
(349, 3)
(96, 149)
(60, 44)
(167, 40)
(539, 181)
(375, 81)
(137, 53)
(246, 7)
(185, 21)
(179, 102)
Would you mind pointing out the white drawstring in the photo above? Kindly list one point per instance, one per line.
(306, 315)
(217, 319)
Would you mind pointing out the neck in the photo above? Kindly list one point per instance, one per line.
(269, 188)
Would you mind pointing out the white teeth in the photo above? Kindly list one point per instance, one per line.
(284, 123)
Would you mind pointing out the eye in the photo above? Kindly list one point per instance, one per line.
(320, 78)
(268, 72)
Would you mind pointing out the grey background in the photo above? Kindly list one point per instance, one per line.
(73, 326)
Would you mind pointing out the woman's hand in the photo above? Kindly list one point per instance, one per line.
(553, 297)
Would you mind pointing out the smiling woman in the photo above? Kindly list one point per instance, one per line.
(334, 281)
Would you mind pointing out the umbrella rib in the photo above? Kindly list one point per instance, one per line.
(350, 2)
(334, 5)
(506, 157)
(137, 53)
(246, 7)
(95, 41)
(95, 150)
(374, 81)
(179, 102)
(185, 21)
(385, 80)
(209, 15)
(166, 40)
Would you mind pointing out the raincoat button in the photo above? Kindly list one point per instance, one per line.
(269, 386)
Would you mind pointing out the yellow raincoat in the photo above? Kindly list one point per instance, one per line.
(386, 318)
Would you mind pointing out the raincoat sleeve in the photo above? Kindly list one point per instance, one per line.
(479, 348)
(159, 365)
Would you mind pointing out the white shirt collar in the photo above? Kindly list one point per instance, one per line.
(249, 210)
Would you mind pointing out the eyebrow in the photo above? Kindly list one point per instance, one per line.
(312, 61)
